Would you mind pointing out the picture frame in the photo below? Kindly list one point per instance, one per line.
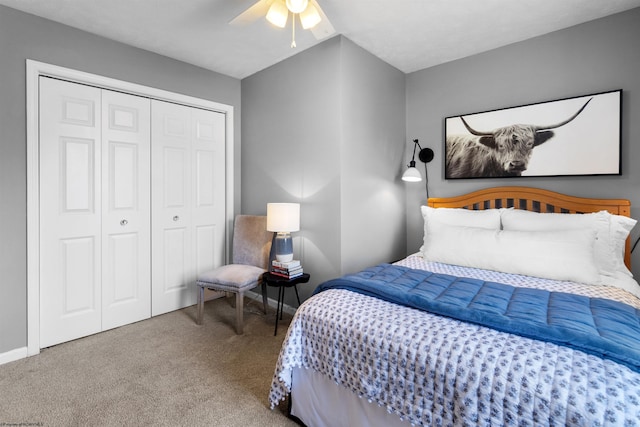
(565, 137)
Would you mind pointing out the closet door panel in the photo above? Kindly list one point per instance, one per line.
(175, 221)
(175, 164)
(123, 264)
(188, 198)
(126, 288)
(208, 208)
(78, 274)
(77, 158)
(172, 281)
(70, 210)
(176, 263)
(207, 253)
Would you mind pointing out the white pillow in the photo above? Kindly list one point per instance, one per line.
(558, 255)
(487, 218)
(611, 232)
(620, 228)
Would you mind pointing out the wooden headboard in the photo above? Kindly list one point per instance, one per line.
(536, 200)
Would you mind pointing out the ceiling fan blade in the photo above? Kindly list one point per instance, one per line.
(324, 28)
(252, 14)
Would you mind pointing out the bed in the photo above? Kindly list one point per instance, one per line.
(519, 309)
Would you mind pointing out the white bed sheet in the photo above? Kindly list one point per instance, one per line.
(314, 393)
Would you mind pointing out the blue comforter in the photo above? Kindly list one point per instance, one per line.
(597, 326)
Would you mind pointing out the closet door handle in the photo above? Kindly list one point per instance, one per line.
(124, 222)
(175, 218)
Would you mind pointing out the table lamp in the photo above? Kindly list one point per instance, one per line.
(282, 219)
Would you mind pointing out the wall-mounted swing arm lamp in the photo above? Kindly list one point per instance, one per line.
(412, 174)
(425, 155)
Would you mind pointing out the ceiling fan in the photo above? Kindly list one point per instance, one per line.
(307, 12)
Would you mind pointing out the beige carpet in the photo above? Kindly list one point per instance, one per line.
(165, 371)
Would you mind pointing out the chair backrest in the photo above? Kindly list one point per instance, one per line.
(251, 241)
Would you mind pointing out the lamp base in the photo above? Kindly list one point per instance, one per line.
(284, 258)
(284, 247)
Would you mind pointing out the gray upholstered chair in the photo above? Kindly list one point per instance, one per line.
(250, 260)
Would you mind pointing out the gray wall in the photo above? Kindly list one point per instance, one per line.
(325, 128)
(22, 37)
(291, 150)
(373, 125)
(594, 57)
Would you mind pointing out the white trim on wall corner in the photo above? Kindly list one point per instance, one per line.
(13, 355)
(36, 69)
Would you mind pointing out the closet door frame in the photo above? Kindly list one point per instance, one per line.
(35, 69)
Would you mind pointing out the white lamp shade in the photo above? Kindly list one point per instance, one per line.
(283, 217)
(278, 14)
(412, 175)
(310, 17)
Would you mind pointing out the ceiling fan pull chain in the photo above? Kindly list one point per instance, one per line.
(293, 31)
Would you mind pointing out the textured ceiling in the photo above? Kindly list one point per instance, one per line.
(408, 34)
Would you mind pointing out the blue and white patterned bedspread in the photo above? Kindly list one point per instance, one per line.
(432, 370)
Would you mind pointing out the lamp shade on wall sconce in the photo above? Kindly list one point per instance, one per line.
(412, 174)
(282, 219)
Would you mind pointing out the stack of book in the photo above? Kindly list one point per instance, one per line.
(289, 269)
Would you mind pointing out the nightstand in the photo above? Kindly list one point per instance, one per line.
(282, 283)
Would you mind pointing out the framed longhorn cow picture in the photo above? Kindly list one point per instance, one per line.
(572, 136)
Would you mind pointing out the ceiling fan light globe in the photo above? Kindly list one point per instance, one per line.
(297, 6)
(310, 17)
(278, 14)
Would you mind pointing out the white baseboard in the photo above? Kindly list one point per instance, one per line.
(272, 303)
(12, 355)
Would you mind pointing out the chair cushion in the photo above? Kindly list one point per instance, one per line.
(231, 277)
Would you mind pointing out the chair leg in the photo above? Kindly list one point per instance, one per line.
(233, 300)
(200, 305)
(239, 313)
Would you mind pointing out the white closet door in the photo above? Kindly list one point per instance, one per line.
(70, 211)
(126, 248)
(94, 210)
(188, 190)
(170, 198)
(208, 209)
